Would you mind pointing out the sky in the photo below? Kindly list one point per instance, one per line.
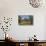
(24, 17)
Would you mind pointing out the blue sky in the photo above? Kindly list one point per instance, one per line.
(23, 17)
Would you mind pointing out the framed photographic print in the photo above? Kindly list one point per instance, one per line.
(25, 20)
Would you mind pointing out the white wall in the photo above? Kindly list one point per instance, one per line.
(13, 8)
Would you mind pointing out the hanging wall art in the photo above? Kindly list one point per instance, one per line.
(25, 20)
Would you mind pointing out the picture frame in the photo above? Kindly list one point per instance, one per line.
(25, 20)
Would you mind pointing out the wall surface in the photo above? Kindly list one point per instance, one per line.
(13, 8)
